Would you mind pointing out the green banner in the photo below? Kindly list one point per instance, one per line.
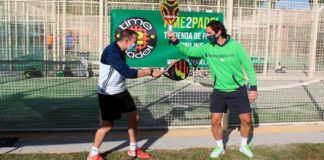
(153, 49)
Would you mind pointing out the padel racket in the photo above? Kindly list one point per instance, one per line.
(169, 10)
(178, 70)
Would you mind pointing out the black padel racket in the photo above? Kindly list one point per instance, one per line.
(178, 70)
(169, 10)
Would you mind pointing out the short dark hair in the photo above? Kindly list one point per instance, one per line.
(217, 25)
(126, 34)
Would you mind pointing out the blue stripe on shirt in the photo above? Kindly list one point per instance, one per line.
(105, 83)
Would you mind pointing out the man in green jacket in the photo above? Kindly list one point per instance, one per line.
(226, 59)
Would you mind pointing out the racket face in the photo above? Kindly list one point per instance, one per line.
(178, 70)
(169, 10)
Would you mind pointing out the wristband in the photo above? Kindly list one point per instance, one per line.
(151, 72)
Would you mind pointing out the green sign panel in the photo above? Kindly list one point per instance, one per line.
(153, 49)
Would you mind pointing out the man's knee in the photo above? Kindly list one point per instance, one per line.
(216, 119)
(245, 119)
(106, 126)
(137, 117)
(133, 116)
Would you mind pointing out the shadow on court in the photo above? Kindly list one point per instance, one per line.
(147, 118)
(235, 117)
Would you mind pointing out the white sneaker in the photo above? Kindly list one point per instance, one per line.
(246, 150)
(217, 152)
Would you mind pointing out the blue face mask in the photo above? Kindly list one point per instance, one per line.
(132, 48)
(212, 38)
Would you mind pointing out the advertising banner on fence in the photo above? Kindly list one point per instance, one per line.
(153, 48)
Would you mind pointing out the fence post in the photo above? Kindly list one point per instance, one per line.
(101, 15)
(53, 27)
(266, 50)
(64, 32)
(229, 22)
(313, 41)
(218, 5)
(278, 45)
(9, 40)
(229, 16)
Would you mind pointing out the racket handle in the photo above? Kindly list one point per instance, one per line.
(170, 27)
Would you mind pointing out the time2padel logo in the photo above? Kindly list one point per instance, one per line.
(146, 39)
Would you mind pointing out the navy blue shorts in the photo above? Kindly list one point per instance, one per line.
(113, 106)
(237, 101)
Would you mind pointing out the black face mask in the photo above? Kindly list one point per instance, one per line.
(212, 38)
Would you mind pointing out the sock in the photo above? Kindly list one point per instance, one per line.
(219, 142)
(94, 151)
(132, 146)
(244, 141)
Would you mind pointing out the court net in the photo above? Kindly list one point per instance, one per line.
(57, 100)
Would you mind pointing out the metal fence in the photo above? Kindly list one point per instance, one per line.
(56, 34)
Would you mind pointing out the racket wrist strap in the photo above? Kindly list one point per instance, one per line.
(253, 88)
(176, 42)
(151, 72)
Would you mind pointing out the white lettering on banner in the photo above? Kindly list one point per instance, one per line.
(124, 25)
(188, 35)
(180, 35)
(184, 35)
(193, 44)
(197, 35)
(140, 54)
(204, 35)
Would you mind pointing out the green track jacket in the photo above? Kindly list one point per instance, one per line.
(225, 63)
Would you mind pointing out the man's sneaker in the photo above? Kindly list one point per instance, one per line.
(96, 157)
(139, 153)
(217, 152)
(246, 149)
